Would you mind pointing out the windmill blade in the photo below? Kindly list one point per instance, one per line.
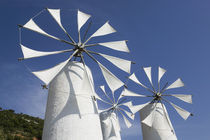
(103, 89)
(127, 104)
(31, 25)
(161, 72)
(127, 92)
(82, 19)
(122, 64)
(116, 45)
(147, 70)
(137, 108)
(134, 78)
(99, 98)
(90, 83)
(30, 53)
(183, 113)
(127, 122)
(55, 13)
(130, 115)
(178, 83)
(113, 82)
(48, 75)
(103, 30)
(183, 97)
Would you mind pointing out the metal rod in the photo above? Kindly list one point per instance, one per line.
(121, 101)
(90, 45)
(91, 56)
(89, 25)
(72, 40)
(108, 97)
(93, 52)
(166, 116)
(67, 42)
(64, 51)
(163, 89)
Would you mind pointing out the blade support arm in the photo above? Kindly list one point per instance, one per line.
(91, 45)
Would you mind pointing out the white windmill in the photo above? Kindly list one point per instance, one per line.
(71, 111)
(109, 116)
(156, 124)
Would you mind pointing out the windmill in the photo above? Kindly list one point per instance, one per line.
(71, 111)
(109, 116)
(156, 124)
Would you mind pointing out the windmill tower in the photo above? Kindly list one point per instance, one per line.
(155, 121)
(71, 112)
(109, 117)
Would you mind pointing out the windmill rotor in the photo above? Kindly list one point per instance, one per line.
(78, 49)
(158, 96)
(115, 106)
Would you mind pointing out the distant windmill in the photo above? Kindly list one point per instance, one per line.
(71, 112)
(156, 124)
(109, 116)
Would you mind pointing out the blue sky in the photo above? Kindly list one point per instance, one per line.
(171, 34)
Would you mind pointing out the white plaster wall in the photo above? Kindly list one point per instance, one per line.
(160, 129)
(71, 113)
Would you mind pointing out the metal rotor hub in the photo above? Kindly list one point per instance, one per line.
(157, 96)
(80, 48)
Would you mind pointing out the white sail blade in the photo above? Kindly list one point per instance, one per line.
(82, 19)
(55, 13)
(123, 64)
(183, 97)
(47, 75)
(103, 88)
(112, 81)
(183, 113)
(178, 83)
(130, 115)
(127, 122)
(147, 70)
(161, 72)
(116, 45)
(137, 108)
(104, 30)
(128, 104)
(31, 25)
(134, 78)
(99, 98)
(30, 53)
(127, 92)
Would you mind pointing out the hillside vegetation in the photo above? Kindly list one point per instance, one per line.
(15, 126)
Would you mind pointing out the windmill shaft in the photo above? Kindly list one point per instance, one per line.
(110, 126)
(71, 112)
(160, 129)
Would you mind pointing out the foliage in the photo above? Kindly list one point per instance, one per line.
(15, 126)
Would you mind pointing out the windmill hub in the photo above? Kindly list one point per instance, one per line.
(80, 48)
(114, 106)
(157, 96)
